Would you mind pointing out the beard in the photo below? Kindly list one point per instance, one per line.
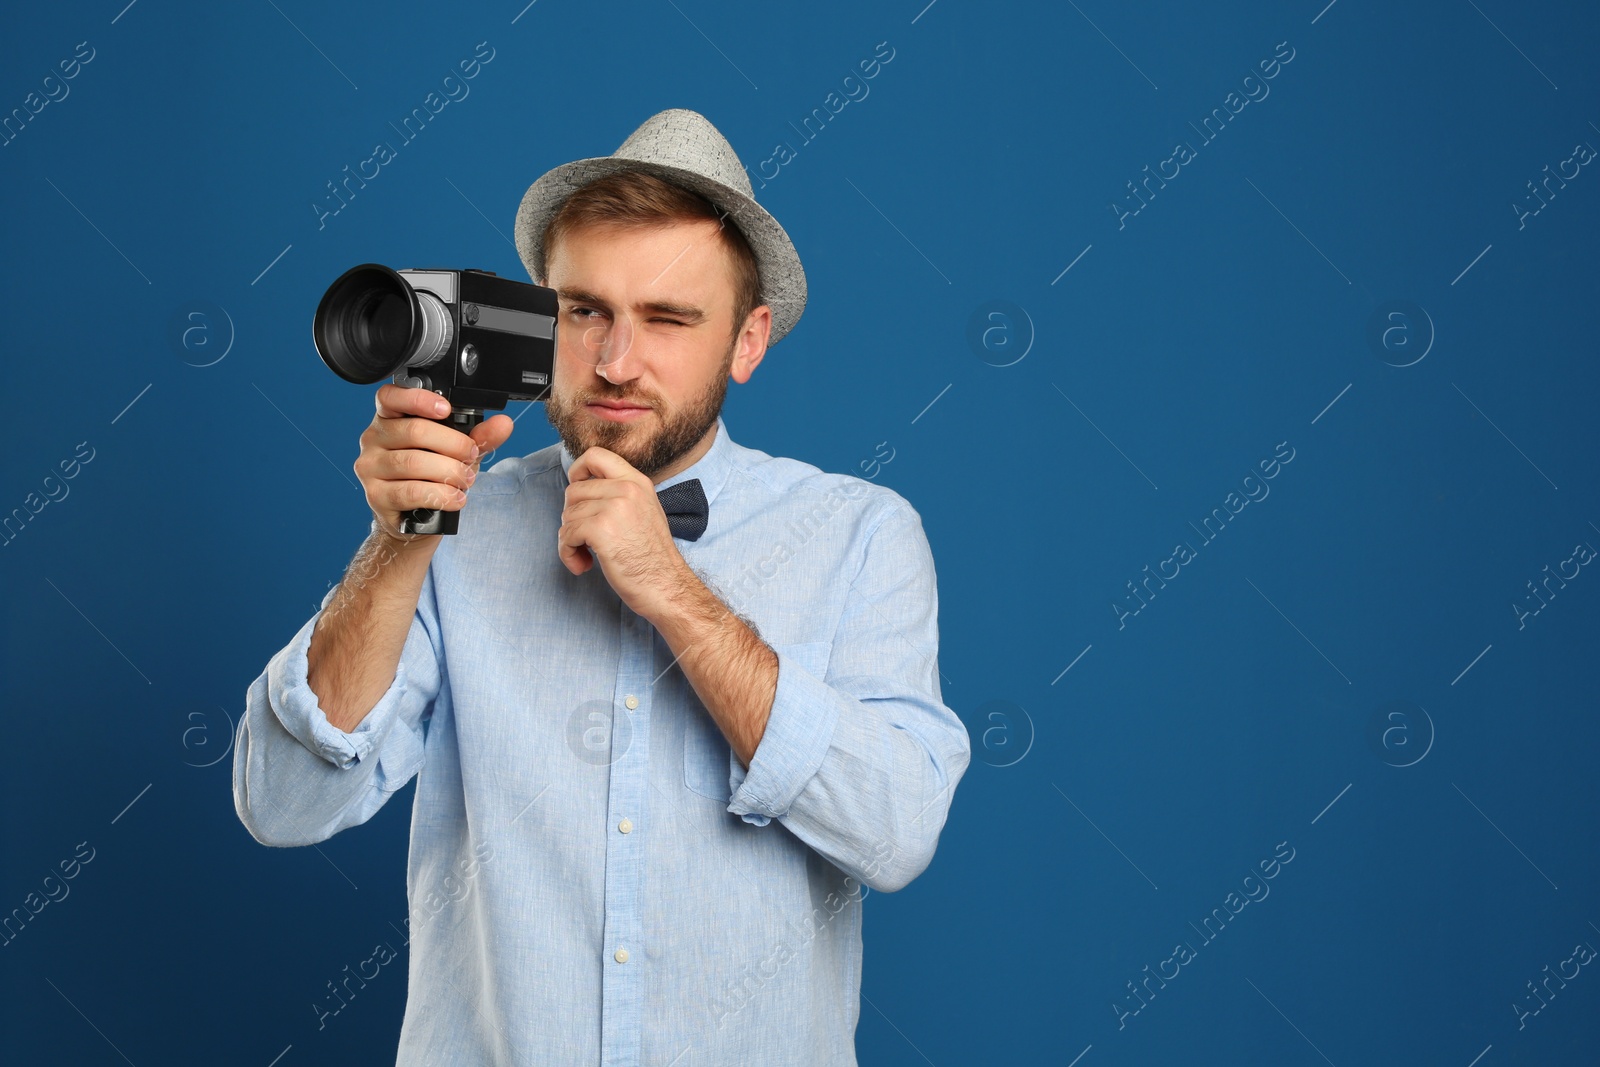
(649, 454)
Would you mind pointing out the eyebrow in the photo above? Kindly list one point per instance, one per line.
(686, 311)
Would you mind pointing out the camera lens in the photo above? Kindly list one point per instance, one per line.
(371, 323)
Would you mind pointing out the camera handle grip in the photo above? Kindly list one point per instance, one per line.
(430, 520)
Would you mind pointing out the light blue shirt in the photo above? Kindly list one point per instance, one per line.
(594, 878)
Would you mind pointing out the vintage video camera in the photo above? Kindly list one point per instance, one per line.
(476, 339)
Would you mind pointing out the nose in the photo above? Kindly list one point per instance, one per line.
(615, 353)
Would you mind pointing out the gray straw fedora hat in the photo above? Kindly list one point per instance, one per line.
(682, 147)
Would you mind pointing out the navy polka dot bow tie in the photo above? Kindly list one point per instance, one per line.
(686, 508)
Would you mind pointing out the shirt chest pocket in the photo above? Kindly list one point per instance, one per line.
(707, 757)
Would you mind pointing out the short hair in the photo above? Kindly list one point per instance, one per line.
(634, 198)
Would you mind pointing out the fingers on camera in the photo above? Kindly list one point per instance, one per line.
(434, 495)
(436, 437)
(412, 434)
(393, 402)
(422, 466)
(423, 463)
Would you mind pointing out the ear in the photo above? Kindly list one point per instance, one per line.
(752, 344)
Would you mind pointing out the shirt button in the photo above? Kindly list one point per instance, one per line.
(626, 826)
(621, 955)
(631, 701)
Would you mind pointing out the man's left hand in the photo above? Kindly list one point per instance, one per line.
(612, 515)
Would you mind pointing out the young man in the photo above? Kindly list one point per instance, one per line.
(670, 702)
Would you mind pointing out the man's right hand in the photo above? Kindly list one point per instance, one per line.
(414, 462)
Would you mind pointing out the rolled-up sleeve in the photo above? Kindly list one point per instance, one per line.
(798, 731)
(862, 764)
(297, 778)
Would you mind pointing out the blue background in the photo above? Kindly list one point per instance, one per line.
(1442, 859)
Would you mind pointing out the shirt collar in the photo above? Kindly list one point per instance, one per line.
(712, 468)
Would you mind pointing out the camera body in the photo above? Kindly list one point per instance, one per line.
(476, 339)
(501, 343)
